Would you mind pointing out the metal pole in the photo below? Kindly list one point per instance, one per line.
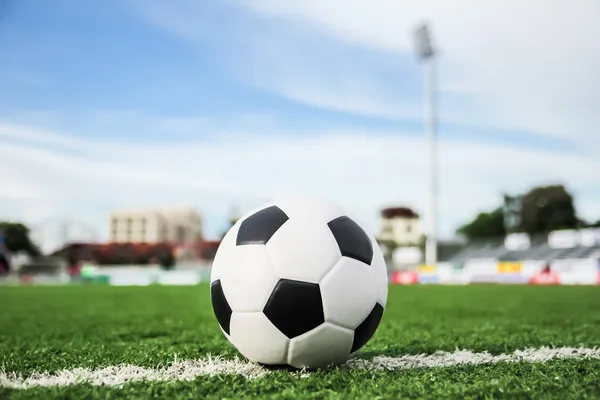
(431, 126)
(426, 54)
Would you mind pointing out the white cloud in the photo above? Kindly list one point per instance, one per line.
(508, 64)
(289, 62)
(518, 65)
(126, 124)
(53, 175)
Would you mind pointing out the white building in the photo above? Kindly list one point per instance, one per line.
(400, 225)
(182, 225)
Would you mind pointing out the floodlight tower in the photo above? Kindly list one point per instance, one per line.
(426, 55)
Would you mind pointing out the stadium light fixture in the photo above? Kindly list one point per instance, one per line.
(426, 55)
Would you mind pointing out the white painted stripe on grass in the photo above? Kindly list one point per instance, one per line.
(191, 369)
(462, 357)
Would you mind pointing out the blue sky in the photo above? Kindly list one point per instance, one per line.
(217, 104)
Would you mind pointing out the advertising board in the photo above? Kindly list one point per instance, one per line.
(179, 278)
(130, 280)
(426, 269)
(404, 278)
(545, 278)
(426, 279)
(509, 267)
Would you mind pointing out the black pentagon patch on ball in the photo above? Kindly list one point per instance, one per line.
(261, 226)
(352, 239)
(295, 307)
(220, 305)
(367, 328)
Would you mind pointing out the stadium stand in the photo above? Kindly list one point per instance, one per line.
(548, 248)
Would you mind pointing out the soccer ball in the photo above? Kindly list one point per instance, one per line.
(298, 283)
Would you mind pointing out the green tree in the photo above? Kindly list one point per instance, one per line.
(548, 208)
(486, 225)
(540, 210)
(16, 238)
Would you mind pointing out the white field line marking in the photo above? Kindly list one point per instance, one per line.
(191, 369)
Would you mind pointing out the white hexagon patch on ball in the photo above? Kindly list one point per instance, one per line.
(298, 283)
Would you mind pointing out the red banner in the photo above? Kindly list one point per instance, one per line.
(545, 278)
(405, 278)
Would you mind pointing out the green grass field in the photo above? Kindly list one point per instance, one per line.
(48, 329)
